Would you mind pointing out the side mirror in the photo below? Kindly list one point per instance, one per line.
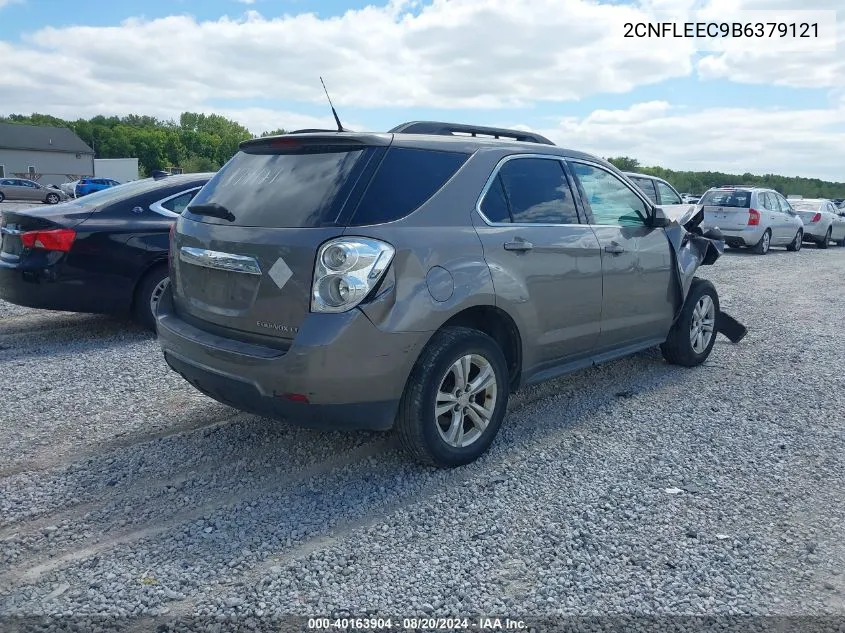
(658, 219)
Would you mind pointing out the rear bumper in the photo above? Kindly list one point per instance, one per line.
(814, 232)
(351, 373)
(747, 236)
(46, 289)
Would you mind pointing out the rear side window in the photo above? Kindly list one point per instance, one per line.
(727, 198)
(647, 185)
(406, 178)
(530, 191)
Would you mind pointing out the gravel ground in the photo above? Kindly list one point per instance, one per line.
(631, 488)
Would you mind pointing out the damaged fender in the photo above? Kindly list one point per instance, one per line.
(691, 248)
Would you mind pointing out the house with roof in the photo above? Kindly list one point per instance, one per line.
(48, 155)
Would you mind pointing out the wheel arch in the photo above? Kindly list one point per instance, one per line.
(152, 265)
(498, 325)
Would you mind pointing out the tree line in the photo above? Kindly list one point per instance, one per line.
(204, 142)
(697, 182)
(194, 143)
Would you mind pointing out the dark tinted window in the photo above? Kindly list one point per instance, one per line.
(405, 179)
(647, 185)
(495, 205)
(537, 191)
(296, 189)
(727, 198)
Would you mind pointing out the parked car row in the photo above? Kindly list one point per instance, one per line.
(411, 279)
(756, 217)
(29, 191)
(84, 186)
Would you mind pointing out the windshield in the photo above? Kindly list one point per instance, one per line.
(118, 192)
(727, 198)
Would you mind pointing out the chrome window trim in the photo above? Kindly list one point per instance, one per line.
(648, 204)
(158, 205)
(219, 260)
(492, 178)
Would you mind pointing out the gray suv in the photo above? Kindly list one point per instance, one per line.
(415, 279)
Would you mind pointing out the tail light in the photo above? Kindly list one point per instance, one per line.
(753, 217)
(170, 242)
(347, 269)
(817, 217)
(52, 240)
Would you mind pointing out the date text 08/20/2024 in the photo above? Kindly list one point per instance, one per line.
(416, 624)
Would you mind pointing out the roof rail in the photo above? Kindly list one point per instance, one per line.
(440, 128)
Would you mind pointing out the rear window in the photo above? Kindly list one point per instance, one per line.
(322, 186)
(804, 205)
(727, 198)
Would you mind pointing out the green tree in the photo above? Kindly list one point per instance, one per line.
(623, 163)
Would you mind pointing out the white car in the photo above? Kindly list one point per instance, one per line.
(823, 222)
(69, 188)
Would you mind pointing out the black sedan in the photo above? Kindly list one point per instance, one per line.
(105, 253)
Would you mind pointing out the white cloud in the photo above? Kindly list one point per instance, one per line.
(246, 1)
(6, 3)
(466, 53)
(733, 140)
(758, 64)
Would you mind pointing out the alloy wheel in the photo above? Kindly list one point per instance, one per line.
(703, 324)
(766, 242)
(156, 294)
(466, 400)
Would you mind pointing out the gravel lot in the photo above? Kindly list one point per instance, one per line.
(635, 487)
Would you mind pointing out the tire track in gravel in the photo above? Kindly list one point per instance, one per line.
(34, 567)
(344, 473)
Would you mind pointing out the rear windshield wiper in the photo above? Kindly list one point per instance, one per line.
(212, 209)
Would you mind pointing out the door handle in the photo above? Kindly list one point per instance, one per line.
(614, 248)
(518, 245)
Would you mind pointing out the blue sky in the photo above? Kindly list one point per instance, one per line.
(694, 98)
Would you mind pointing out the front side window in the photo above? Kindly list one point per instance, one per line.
(611, 200)
(531, 191)
(667, 194)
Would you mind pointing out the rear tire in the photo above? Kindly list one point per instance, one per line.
(842, 241)
(2, 197)
(699, 316)
(795, 245)
(762, 247)
(148, 293)
(52, 198)
(454, 438)
(826, 241)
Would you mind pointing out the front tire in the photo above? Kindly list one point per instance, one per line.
(52, 198)
(826, 241)
(762, 247)
(691, 339)
(455, 398)
(2, 197)
(795, 245)
(147, 295)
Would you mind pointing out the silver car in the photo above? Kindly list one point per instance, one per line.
(23, 189)
(752, 217)
(823, 222)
